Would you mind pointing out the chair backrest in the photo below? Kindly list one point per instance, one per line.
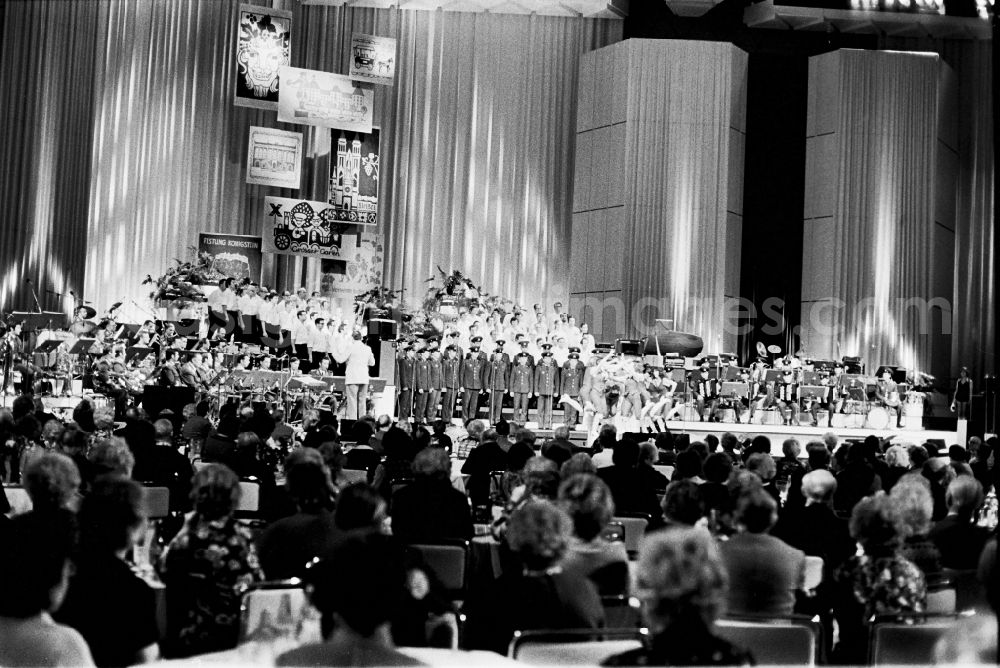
(497, 493)
(18, 499)
(667, 471)
(449, 562)
(278, 611)
(622, 611)
(942, 600)
(351, 476)
(634, 527)
(814, 573)
(907, 639)
(573, 647)
(157, 501)
(249, 497)
(774, 641)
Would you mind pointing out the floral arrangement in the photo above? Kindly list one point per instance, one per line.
(179, 284)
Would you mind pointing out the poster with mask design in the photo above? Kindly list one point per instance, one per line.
(263, 45)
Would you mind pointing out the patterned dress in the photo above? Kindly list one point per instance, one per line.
(206, 567)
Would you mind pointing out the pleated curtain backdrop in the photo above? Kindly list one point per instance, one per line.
(477, 141)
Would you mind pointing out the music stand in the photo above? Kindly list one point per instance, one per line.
(46, 347)
(137, 354)
(43, 320)
(774, 376)
(741, 390)
(82, 346)
(817, 392)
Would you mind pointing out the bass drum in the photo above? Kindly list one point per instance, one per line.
(727, 415)
(878, 418)
(838, 421)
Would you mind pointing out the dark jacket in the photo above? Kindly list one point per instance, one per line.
(483, 459)
(429, 510)
(959, 541)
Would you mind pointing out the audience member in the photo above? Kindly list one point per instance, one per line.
(855, 481)
(683, 504)
(206, 566)
(631, 493)
(107, 603)
(913, 507)
(648, 457)
(682, 584)
(483, 459)
(429, 509)
(398, 463)
(359, 506)
(958, 539)
(220, 446)
(34, 576)
(587, 501)
(53, 483)
(356, 608)
(287, 545)
(877, 581)
(581, 462)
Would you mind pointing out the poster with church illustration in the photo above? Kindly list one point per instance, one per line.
(354, 176)
(263, 46)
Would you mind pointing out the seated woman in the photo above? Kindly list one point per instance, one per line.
(429, 509)
(913, 504)
(53, 483)
(682, 583)
(34, 573)
(587, 500)
(542, 595)
(879, 581)
(358, 589)
(113, 608)
(206, 567)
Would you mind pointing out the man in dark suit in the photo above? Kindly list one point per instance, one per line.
(631, 493)
(486, 457)
(429, 509)
(957, 537)
(814, 528)
(764, 571)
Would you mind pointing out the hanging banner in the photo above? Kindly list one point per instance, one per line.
(231, 256)
(354, 176)
(359, 270)
(328, 100)
(373, 59)
(263, 46)
(274, 158)
(301, 227)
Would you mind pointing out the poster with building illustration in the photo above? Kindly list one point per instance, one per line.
(274, 158)
(373, 59)
(354, 176)
(263, 45)
(308, 97)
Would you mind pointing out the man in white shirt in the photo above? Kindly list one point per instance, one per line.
(319, 341)
(301, 337)
(359, 358)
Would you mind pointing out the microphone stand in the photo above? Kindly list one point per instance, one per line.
(35, 296)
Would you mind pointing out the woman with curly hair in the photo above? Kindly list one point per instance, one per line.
(587, 500)
(914, 506)
(206, 567)
(878, 581)
(542, 594)
(682, 584)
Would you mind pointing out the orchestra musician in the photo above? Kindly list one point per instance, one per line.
(82, 324)
(887, 393)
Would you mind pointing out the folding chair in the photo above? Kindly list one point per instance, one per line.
(278, 611)
(18, 499)
(157, 501)
(449, 561)
(573, 647)
(908, 639)
(249, 505)
(792, 640)
(635, 526)
(351, 476)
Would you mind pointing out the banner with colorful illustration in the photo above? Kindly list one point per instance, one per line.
(358, 271)
(263, 46)
(328, 100)
(373, 59)
(232, 256)
(301, 227)
(354, 176)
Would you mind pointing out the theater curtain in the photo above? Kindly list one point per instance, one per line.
(974, 299)
(148, 149)
(48, 57)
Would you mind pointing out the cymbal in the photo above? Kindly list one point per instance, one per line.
(774, 349)
(88, 311)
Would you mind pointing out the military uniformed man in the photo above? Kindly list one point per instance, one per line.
(451, 376)
(497, 377)
(473, 378)
(522, 384)
(422, 384)
(546, 385)
(437, 383)
(406, 366)
(570, 380)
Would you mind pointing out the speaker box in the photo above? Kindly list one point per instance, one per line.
(385, 360)
(383, 329)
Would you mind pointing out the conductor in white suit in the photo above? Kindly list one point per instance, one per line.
(358, 358)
